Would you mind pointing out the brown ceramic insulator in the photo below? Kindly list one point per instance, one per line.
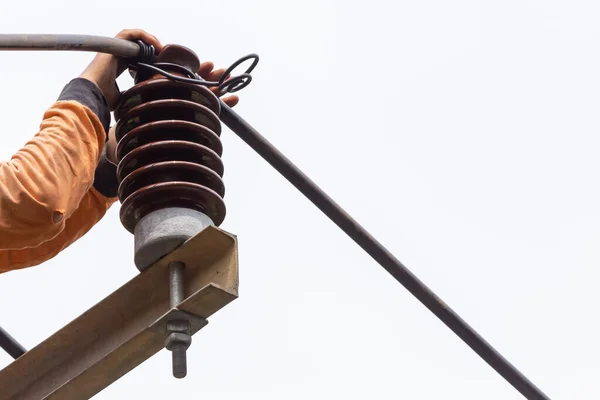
(161, 140)
(169, 145)
(171, 171)
(174, 184)
(167, 110)
(163, 88)
(171, 194)
(173, 54)
(172, 150)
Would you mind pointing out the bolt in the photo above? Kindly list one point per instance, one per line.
(179, 360)
(178, 343)
(178, 339)
(176, 282)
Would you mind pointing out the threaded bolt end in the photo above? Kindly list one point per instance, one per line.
(179, 360)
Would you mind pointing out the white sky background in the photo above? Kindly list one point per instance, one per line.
(463, 135)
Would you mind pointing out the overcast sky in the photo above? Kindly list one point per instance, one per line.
(462, 134)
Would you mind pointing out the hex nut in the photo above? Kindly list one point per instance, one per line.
(178, 338)
(181, 326)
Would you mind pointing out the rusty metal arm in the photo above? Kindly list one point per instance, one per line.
(129, 326)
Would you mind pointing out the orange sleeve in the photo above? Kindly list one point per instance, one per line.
(47, 194)
(92, 208)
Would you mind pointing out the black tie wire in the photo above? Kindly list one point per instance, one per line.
(141, 57)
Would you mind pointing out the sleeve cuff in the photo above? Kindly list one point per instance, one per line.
(105, 178)
(88, 94)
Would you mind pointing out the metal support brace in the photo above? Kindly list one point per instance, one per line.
(131, 324)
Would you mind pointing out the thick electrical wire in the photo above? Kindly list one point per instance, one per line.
(10, 345)
(380, 254)
(70, 42)
(339, 216)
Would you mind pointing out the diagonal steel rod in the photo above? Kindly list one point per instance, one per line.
(379, 253)
(10, 345)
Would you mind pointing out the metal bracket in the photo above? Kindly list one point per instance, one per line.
(129, 326)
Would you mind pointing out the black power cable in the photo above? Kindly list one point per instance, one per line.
(70, 42)
(10, 345)
(380, 254)
(327, 205)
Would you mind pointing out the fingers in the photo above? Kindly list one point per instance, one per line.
(139, 34)
(207, 73)
(231, 100)
(205, 69)
(216, 75)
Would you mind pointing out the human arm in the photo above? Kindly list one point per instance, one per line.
(60, 183)
(43, 183)
(92, 208)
